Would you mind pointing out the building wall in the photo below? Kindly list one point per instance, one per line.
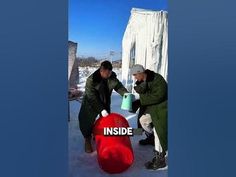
(73, 72)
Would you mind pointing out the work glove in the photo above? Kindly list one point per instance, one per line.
(135, 105)
(104, 113)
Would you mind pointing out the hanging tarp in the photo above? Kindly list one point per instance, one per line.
(145, 42)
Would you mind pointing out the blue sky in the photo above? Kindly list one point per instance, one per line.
(98, 25)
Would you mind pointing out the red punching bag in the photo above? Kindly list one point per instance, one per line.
(114, 153)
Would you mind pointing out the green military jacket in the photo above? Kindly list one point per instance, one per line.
(153, 97)
(92, 104)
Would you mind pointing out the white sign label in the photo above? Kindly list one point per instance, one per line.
(118, 131)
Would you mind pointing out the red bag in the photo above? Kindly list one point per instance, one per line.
(114, 153)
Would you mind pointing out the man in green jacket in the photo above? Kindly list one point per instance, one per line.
(97, 99)
(152, 89)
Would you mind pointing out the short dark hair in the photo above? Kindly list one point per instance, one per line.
(106, 65)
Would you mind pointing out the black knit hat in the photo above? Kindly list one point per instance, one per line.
(106, 65)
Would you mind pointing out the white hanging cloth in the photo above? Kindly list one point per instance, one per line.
(147, 35)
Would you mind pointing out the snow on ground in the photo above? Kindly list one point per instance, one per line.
(82, 164)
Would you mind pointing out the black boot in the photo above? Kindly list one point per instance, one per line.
(148, 141)
(88, 146)
(157, 162)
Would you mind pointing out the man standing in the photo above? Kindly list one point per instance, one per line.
(152, 89)
(97, 99)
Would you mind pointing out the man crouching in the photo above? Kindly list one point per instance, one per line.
(152, 89)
